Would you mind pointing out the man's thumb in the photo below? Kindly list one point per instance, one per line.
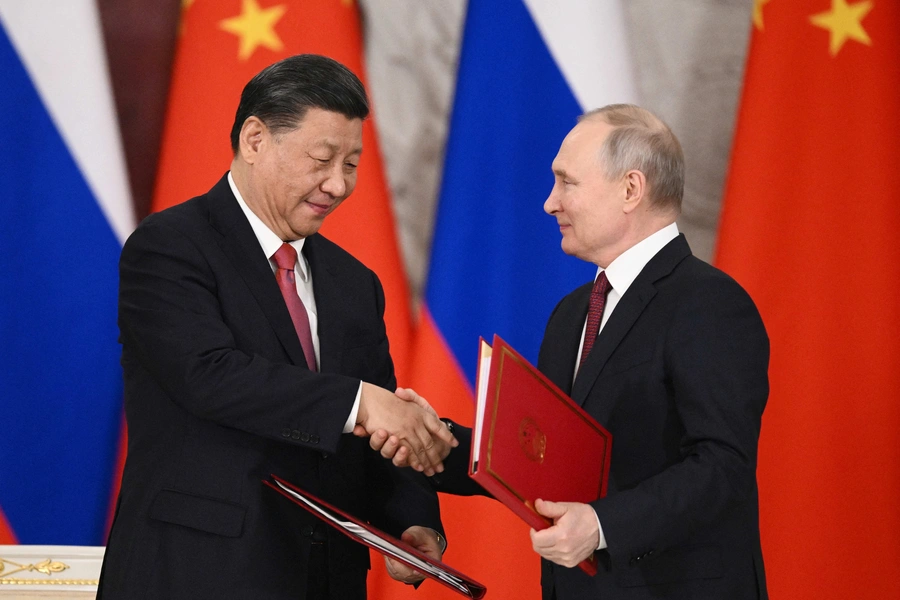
(551, 510)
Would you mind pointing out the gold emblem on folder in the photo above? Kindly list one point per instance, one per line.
(532, 440)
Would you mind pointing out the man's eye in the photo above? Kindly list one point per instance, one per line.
(350, 165)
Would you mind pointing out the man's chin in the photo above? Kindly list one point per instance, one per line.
(307, 229)
(568, 248)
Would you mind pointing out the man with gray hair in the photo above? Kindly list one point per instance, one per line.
(671, 356)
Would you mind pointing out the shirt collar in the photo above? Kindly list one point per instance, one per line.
(622, 272)
(268, 240)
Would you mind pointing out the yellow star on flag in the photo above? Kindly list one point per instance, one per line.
(758, 13)
(255, 27)
(844, 21)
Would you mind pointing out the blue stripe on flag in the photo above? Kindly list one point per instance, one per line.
(496, 264)
(60, 381)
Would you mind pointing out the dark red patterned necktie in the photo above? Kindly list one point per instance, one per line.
(595, 314)
(285, 259)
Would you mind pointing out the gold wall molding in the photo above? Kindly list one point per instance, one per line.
(50, 567)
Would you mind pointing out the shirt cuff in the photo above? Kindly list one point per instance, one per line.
(602, 544)
(351, 420)
(442, 541)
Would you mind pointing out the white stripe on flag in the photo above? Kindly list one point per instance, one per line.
(587, 39)
(61, 45)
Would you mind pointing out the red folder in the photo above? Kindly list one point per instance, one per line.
(532, 441)
(382, 542)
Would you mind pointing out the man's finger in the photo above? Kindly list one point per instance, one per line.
(438, 428)
(390, 447)
(377, 439)
(545, 538)
(401, 458)
(430, 453)
(551, 510)
(414, 461)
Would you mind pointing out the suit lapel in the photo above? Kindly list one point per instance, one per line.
(330, 302)
(627, 311)
(239, 243)
(563, 348)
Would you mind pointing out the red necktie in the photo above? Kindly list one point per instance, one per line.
(285, 259)
(595, 314)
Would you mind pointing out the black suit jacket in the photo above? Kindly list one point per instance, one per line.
(218, 396)
(679, 377)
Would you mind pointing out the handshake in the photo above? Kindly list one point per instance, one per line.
(404, 427)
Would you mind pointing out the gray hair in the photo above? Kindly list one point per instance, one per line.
(641, 141)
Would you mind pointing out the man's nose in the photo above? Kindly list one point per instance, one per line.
(334, 185)
(551, 204)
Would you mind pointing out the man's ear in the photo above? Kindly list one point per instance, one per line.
(635, 190)
(253, 133)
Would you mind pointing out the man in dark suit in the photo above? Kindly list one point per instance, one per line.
(677, 374)
(252, 345)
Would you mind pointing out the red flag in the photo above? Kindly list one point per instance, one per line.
(222, 45)
(6, 533)
(810, 227)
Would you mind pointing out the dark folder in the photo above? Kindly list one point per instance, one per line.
(382, 542)
(532, 441)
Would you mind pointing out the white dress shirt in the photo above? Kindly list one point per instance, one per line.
(270, 244)
(621, 273)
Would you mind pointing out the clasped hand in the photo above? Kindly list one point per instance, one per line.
(416, 431)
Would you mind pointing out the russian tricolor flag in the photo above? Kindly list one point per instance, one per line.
(528, 69)
(66, 210)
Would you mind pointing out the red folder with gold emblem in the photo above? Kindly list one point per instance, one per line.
(532, 441)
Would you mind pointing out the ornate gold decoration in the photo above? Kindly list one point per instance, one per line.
(48, 567)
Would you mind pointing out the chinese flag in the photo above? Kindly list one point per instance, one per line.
(222, 45)
(811, 227)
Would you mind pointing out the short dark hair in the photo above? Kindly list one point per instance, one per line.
(280, 94)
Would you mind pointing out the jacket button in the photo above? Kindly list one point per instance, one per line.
(295, 434)
(314, 439)
(306, 531)
(304, 437)
(286, 432)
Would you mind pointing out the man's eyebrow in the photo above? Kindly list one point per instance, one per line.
(335, 148)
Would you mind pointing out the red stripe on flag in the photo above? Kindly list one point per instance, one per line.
(6, 533)
(117, 476)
